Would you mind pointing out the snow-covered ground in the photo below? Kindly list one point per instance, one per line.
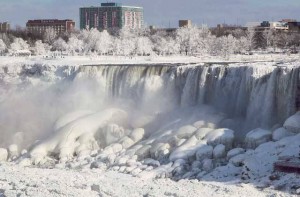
(94, 60)
(72, 130)
(19, 181)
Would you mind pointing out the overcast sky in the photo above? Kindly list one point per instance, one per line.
(161, 13)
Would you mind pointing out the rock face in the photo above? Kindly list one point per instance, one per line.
(292, 124)
(257, 137)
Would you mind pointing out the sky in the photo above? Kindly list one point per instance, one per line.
(160, 13)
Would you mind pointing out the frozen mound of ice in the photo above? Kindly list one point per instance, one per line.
(77, 136)
(220, 136)
(70, 117)
(3, 154)
(256, 137)
(280, 133)
(292, 124)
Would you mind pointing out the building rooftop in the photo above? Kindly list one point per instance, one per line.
(111, 4)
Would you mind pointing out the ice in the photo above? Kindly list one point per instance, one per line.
(234, 152)
(292, 124)
(280, 133)
(204, 152)
(3, 154)
(70, 117)
(219, 151)
(256, 137)
(220, 136)
(162, 121)
(67, 138)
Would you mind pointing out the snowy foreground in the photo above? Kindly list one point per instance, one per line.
(147, 130)
(19, 181)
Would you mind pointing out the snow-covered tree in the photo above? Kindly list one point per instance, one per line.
(60, 45)
(143, 46)
(186, 37)
(104, 43)
(74, 45)
(250, 35)
(19, 44)
(2, 47)
(40, 48)
(49, 36)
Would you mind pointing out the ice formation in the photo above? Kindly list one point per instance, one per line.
(210, 122)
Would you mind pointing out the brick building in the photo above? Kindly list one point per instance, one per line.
(59, 26)
(4, 27)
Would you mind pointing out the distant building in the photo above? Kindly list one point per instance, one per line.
(253, 24)
(110, 16)
(59, 26)
(279, 25)
(294, 26)
(4, 27)
(185, 23)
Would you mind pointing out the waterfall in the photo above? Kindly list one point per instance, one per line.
(261, 95)
(33, 97)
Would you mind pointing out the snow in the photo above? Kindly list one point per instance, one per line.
(3, 154)
(256, 137)
(292, 124)
(280, 133)
(139, 130)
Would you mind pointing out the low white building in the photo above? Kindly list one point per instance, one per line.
(279, 25)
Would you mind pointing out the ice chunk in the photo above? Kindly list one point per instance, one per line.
(70, 117)
(256, 137)
(202, 132)
(280, 133)
(207, 165)
(65, 140)
(234, 152)
(204, 152)
(137, 134)
(185, 131)
(186, 150)
(292, 124)
(220, 136)
(219, 151)
(13, 151)
(3, 154)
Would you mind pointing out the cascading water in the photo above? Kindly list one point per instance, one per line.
(260, 95)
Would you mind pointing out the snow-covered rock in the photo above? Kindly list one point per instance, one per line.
(13, 151)
(219, 151)
(204, 124)
(202, 132)
(137, 134)
(208, 165)
(280, 133)
(81, 131)
(187, 149)
(234, 152)
(204, 152)
(3, 154)
(292, 124)
(185, 131)
(256, 137)
(237, 160)
(220, 136)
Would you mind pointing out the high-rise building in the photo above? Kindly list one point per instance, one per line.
(59, 26)
(4, 27)
(110, 16)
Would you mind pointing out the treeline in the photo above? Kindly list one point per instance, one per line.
(125, 42)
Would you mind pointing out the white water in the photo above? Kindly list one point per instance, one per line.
(34, 97)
